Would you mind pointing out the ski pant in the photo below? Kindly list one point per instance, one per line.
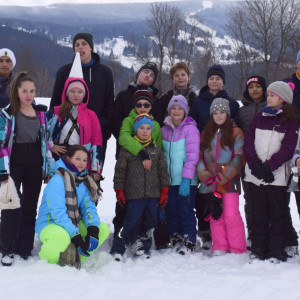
(161, 233)
(56, 239)
(17, 231)
(247, 197)
(181, 213)
(199, 206)
(140, 220)
(270, 213)
(228, 233)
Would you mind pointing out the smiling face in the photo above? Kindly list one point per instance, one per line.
(142, 110)
(5, 66)
(181, 79)
(215, 83)
(146, 78)
(219, 117)
(177, 114)
(85, 50)
(75, 95)
(79, 160)
(273, 100)
(255, 91)
(144, 132)
(26, 93)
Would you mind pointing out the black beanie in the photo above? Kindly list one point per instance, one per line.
(216, 70)
(258, 79)
(142, 95)
(85, 36)
(148, 66)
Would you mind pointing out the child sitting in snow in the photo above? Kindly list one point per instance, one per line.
(68, 224)
(142, 189)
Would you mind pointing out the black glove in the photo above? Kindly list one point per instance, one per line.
(92, 238)
(143, 155)
(260, 170)
(217, 206)
(269, 178)
(80, 245)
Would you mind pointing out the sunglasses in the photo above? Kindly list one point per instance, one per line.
(145, 105)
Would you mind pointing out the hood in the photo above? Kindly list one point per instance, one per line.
(247, 100)
(134, 86)
(204, 93)
(186, 121)
(60, 164)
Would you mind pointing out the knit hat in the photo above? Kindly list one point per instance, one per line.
(181, 101)
(142, 95)
(283, 90)
(142, 119)
(10, 54)
(85, 36)
(216, 70)
(9, 198)
(258, 79)
(148, 66)
(76, 84)
(220, 104)
(298, 56)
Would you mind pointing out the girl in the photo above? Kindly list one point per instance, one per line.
(58, 225)
(269, 145)
(24, 156)
(73, 123)
(218, 169)
(181, 145)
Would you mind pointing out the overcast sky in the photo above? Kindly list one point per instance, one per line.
(46, 2)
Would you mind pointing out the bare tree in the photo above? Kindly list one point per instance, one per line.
(116, 67)
(44, 83)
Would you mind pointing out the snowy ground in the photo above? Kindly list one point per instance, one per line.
(164, 276)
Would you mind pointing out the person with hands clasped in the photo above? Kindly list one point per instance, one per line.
(68, 223)
(269, 145)
(181, 145)
(142, 190)
(219, 167)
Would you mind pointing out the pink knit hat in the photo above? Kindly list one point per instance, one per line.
(76, 84)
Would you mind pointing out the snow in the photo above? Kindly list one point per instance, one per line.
(163, 276)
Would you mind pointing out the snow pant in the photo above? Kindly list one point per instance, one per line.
(228, 233)
(140, 220)
(56, 239)
(247, 197)
(199, 206)
(292, 233)
(161, 233)
(17, 231)
(181, 213)
(270, 213)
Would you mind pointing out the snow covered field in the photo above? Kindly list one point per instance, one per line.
(164, 276)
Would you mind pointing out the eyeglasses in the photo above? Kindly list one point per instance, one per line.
(140, 105)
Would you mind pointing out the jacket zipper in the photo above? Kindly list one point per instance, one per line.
(216, 159)
(170, 156)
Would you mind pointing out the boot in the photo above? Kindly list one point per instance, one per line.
(7, 260)
(291, 251)
(205, 239)
(177, 242)
(188, 247)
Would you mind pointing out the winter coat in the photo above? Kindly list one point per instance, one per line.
(53, 206)
(135, 180)
(249, 109)
(8, 132)
(89, 126)
(100, 83)
(4, 101)
(201, 105)
(123, 106)
(4, 84)
(296, 91)
(229, 162)
(296, 155)
(127, 131)
(270, 141)
(165, 99)
(181, 147)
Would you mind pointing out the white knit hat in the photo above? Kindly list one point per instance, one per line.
(283, 90)
(9, 198)
(10, 54)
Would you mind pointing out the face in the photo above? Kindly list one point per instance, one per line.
(146, 78)
(142, 110)
(215, 83)
(5, 66)
(273, 100)
(255, 91)
(79, 160)
(219, 117)
(26, 93)
(75, 96)
(181, 79)
(177, 113)
(144, 132)
(85, 50)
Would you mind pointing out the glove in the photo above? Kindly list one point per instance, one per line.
(221, 178)
(121, 197)
(208, 207)
(163, 198)
(80, 245)
(269, 178)
(143, 155)
(92, 238)
(260, 170)
(217, 206)
(184, 188)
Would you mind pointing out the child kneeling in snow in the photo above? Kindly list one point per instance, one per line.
(68, 224)
(142, 189)
(219, 167)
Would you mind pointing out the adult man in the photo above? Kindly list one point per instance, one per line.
(7, 63)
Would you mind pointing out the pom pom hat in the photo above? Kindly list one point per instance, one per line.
(283, 90)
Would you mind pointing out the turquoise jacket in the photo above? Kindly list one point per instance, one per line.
(53, 207)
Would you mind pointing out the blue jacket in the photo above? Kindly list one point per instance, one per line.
(53, 207)
(200, 107)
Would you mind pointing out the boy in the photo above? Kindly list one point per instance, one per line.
(142, 189)
(7, 63)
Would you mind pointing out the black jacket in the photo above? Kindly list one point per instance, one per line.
(3, 101)
(296, 92)
(99, 80)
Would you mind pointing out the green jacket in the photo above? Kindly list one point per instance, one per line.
(135, 180)
(128, 142)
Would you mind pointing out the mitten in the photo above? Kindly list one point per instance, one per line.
(92, 238)
(143, 155)
(260, 170)
(121, 197)
(80, 245)
(184, 188)
(163, 198)
(217, 206)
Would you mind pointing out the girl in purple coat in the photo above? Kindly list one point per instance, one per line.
(181, 146)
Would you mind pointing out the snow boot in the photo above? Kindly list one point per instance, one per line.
(276, 256)
(7, 260)
(205, 237)
(177, 242)
(118, 257)
(219, 252)
(291, 251)
(188, 247)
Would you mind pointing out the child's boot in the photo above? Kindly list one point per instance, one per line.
(188, 248)
(205, 239)
(291, 251)
(7, 260)
(177, 242)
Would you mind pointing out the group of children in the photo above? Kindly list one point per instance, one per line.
(192, 158)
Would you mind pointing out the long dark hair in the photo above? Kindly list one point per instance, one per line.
(290, 113)
(64, 109)
(211, 129)
(72, 150)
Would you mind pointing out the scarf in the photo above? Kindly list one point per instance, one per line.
(273, 111)
(71, 256)
(89, 64)
(297, 73)
(185, 93)
(144, 143)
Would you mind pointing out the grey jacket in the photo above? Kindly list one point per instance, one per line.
(4, 84)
